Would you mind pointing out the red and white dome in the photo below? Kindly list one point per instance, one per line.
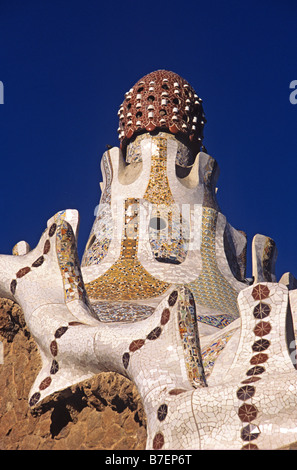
(162, 101)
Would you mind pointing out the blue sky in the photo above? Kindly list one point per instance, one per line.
(66, 65)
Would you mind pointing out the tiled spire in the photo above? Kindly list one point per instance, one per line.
(162, 101)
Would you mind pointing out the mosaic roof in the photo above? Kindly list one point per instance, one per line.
(162, 101)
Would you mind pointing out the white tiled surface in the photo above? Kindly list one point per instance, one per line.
(160, 346)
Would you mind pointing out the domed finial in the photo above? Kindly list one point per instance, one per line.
(162, 101)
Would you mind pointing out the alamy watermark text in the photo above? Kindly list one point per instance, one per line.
(1, 93)
(293, 94)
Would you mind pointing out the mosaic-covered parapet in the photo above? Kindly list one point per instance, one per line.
(251, 392)
(291, 283)
(250, 401)
(21, 248)
(261, 353)
(75, 345)
(260, 381)
(102, 229)
(235, 246)
(264, 255)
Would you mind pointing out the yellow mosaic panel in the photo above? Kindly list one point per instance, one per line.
(68, 259)
(212, 351)
(127, 279)
(158, 189)
(211, 289)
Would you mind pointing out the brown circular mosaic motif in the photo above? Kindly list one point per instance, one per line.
(246, 392)
(262, 328)
(250, 447)
(177, 391)
(54, 348)
(45, 383)
(162, 412)
(172, 298)
(54, 367)
(259, 358)
(22, 272)
(38, 262)
(261, 310)
(52, 229)
(47, 247)
(260, 292)
(155, 333)
(247, 413)
(251, 380)
(34, 399)
(165, 316)
(136, 344)
(257, 370)
(60, 331)
(260, 345)
(158, 441)
(13, 285)
(126, 359)
(250, 432)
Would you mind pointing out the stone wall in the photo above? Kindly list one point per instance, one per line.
(104, 413)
